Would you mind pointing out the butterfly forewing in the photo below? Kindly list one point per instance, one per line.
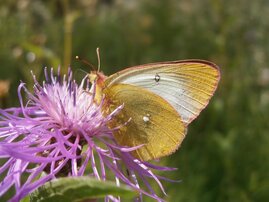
(186, 85)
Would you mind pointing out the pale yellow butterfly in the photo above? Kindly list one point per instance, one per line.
(159, 99)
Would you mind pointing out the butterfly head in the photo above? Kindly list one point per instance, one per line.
(97, 77)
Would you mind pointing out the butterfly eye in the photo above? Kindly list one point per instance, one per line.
(157, 78)
(92, 77)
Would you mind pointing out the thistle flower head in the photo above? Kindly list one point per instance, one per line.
(61, 131)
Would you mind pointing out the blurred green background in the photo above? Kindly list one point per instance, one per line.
(225, 156)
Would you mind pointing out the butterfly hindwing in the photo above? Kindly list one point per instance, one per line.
(153, 123)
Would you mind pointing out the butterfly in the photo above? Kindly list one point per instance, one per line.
(159, 101)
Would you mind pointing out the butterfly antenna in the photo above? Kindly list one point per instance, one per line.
(86, 62)
(99, 60)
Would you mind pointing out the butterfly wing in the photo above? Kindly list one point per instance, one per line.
(186, 85)
(153, 123)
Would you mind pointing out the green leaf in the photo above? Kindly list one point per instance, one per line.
(26, 199)
(79, 188)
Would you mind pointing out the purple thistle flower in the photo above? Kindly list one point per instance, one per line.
(58, 132)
